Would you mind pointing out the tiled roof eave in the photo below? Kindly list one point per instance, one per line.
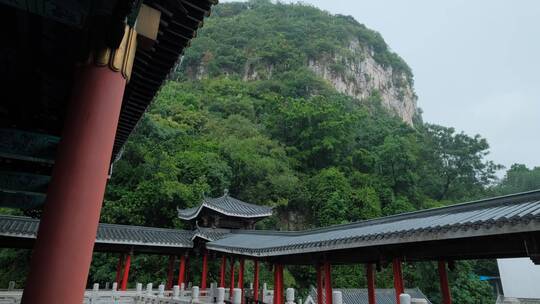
(222, 211)
(388, 239)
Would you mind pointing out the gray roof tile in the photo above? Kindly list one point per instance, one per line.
(226, 205)
(507, 214)
(25, 227)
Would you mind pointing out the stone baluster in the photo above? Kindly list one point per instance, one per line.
(237, 296)
(289, 297)
(264, 292)
(212, 293)
(220, 295)
(182, 290)
(404, 298)
(195, 294)
(176, 292)
(161, 291)
(11, 285)
(138, 288)
(337, 297)
(149, 289)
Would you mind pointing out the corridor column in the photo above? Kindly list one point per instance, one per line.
(182, 270)
(256, 280)
(222, 272)
(241, 276)
(278, 284)
(232, 279)
(170, 272)
(398, 278)
(126, 272)
(204, 270)
(67, 230)
(328, 282)
(370, 273)
(445, 290)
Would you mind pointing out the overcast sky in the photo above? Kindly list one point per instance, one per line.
(476, 64)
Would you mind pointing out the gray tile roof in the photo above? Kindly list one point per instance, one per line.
(501, 215)
(226, 205)
(25, 227)
(382, 296)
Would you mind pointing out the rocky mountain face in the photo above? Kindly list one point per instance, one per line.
(358, 63)
(362, 76)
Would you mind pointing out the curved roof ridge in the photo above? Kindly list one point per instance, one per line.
(226, 205)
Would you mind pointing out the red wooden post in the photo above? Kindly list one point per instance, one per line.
(319, 284)
(241, 277)
(222, 272)
(182, 270)
(67, 230)
(275, 298)
(119, 268)
(281, 296)
(241, 273)
(232, 279)
(126, 272)
(370, 273)
(204, 269)
(278, 284)
(328, 282)
(398, 278)
(256, 280)
(443, 277)
(170, 271)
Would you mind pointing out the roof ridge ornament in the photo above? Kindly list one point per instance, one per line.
(225, 192)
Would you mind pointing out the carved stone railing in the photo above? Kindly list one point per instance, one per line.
(150, 295)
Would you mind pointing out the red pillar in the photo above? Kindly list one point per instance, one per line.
(170, 271)
(398, 278)
(222, 272)
(278, 284)
(182, 270)
(232, 279)
(67, 231)
(119, 268)
(241, 276)
(319, 284)
(241, 273)
(256, 280)
(126, 272)
(204, 269)
(445, 290)
(370, 274)
(328, 282)
(280, 280)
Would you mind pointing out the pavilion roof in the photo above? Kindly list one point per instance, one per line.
(226, 205)
(505, 215)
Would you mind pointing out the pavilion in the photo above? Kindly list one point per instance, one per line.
(79, 75)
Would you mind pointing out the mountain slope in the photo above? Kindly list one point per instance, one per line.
(259, 40)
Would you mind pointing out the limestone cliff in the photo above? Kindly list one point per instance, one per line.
(361, 75)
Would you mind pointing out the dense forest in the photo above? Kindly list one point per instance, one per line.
(290, 140)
